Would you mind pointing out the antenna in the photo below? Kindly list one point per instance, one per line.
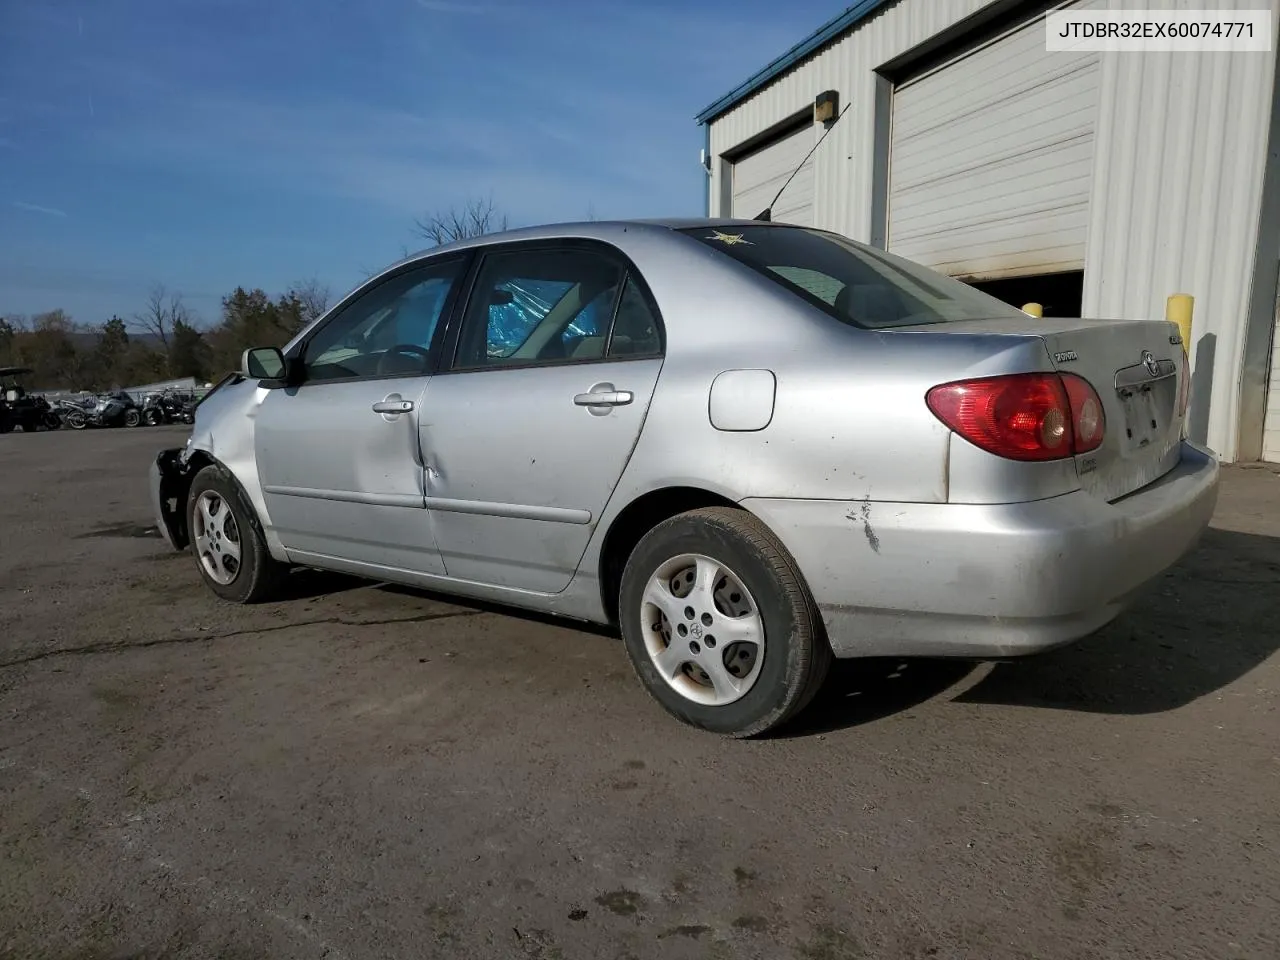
(766, 215)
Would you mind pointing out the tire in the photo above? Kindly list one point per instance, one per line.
(749, 569)
(51, 421)
(76, 421)
(133, 417)
(255, 576)
(152, 418)
(6, 425)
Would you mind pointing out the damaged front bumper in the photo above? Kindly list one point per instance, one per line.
(170, 481)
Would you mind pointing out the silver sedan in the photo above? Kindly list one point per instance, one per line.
(750, 446)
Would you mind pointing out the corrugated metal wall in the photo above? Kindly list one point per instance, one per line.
(842, 168)
(1179, 161)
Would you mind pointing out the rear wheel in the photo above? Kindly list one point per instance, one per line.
(75, 420)
(229, 548)
(153, 417)
(719, 624)
(132, 417)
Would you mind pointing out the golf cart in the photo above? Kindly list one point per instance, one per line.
(17, 409)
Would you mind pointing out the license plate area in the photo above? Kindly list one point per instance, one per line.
(1141, 417)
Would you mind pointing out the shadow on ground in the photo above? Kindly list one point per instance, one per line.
(862, 691)
(1203, 625)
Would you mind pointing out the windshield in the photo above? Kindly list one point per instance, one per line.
(854, 283)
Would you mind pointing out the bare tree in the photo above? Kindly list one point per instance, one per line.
(164, 310)
(474, 219)
(314, 297)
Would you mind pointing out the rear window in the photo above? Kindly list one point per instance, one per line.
(856, 284)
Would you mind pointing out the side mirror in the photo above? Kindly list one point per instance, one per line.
(263, 363)
(500, 297)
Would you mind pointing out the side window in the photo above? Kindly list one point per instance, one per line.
(635, 328)
(387, 332)
(538, 305)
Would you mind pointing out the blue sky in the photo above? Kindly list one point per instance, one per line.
(208, 143)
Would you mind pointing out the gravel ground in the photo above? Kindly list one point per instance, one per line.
(365, 771)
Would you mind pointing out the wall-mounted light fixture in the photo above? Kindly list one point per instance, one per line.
(826, 107)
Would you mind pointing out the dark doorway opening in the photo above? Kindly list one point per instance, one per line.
(1061, 294)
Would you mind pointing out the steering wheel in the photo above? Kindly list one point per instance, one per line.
(401, 349)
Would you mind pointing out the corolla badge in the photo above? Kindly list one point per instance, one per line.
(1149, 361)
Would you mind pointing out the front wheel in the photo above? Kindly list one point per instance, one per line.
(719, 624)
(132, 417)
(75, 420)
(230, 552)
(153, 418)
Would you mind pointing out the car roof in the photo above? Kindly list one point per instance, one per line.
(13, 371)
(598, 229)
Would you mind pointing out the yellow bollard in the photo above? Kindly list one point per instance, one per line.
(1033, 309)
(1178, 309)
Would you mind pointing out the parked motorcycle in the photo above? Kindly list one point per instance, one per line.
(165, 406)
(109, 410)
(74, 414)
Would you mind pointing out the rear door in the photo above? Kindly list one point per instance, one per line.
(338, 455)
(530, 423)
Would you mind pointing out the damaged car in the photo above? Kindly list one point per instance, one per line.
(752, 447)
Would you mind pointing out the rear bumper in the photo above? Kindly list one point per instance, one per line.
(169, 481)
(989, 581)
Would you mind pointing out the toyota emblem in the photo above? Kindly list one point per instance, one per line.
(1149, 361)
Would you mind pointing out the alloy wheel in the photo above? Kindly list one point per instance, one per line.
(217, 537)
(702, 629)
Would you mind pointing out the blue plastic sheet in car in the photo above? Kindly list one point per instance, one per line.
(510, 324)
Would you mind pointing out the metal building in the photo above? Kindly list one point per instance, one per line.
(1103, 181)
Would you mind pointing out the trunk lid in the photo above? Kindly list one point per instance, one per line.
(1137, 368)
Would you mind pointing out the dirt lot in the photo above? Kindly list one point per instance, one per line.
(364, 771)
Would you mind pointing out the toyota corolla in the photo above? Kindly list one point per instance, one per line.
(752, 447)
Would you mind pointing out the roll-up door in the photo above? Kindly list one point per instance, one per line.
(992, 158)
(759, 176)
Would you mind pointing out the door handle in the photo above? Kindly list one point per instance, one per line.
(393, 406)
(605, 398)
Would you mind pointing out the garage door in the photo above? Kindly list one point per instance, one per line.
(992, 157)
(1271, 428)
(759, 176)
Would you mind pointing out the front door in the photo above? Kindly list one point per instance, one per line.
(529, 425)
(338, 455)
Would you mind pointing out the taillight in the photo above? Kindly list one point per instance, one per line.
(1023, 416)
(1088, 421)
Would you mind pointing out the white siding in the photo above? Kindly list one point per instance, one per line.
(1179, 154)
(991, 160)
(1179, 160)
(759, 176)
(842, 166)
